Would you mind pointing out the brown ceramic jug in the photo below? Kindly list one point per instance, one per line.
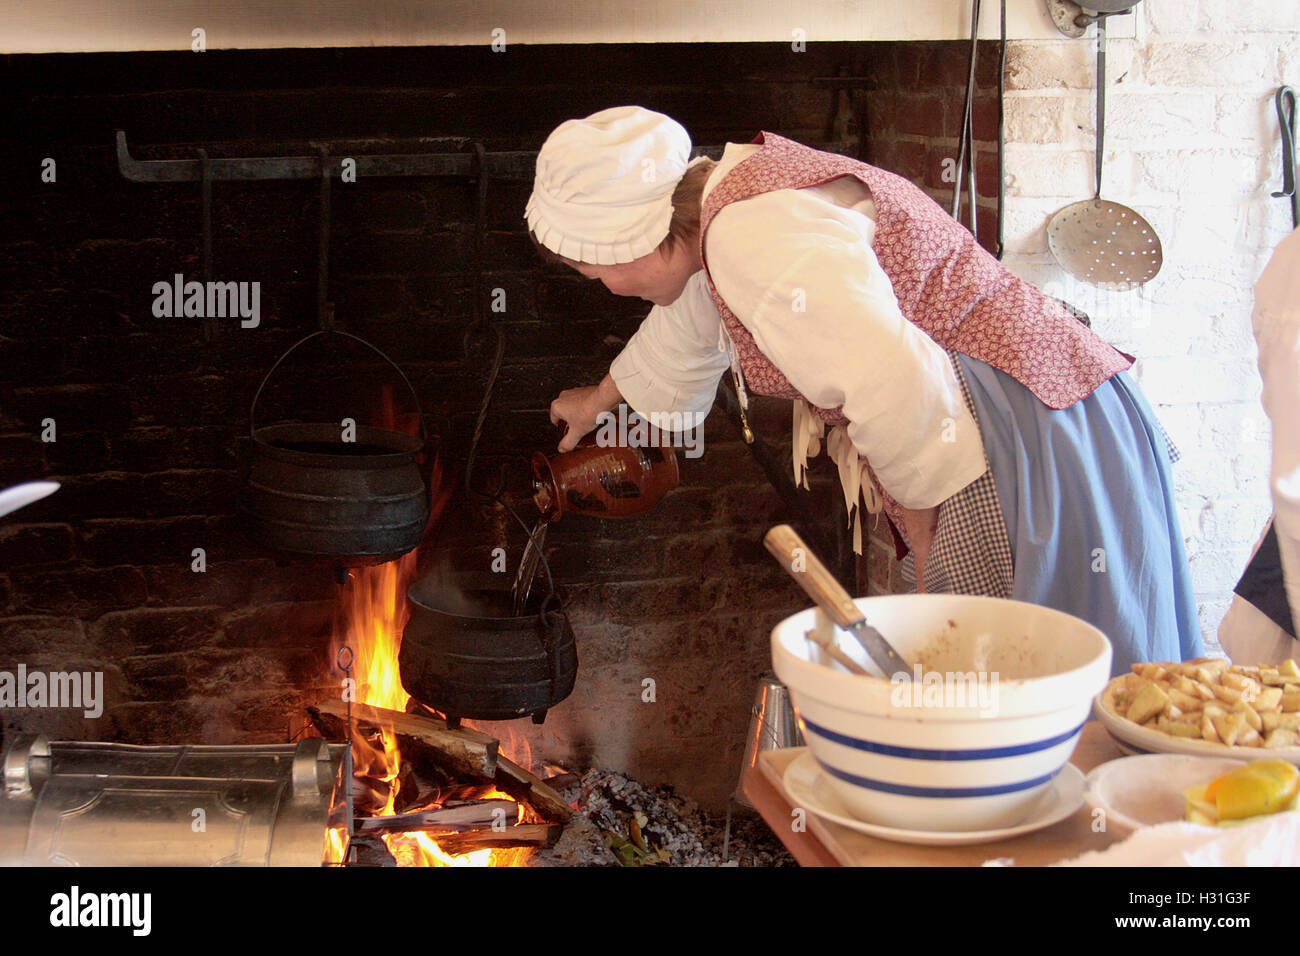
(617, 481)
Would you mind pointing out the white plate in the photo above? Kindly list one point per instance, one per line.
(1136, 792)
(807, 784)
(1135, 739)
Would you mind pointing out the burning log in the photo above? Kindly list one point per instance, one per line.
(422, 802)
(369, 795)
(514, 779)
(469, 815)
(431, 781)
(523, 834)
(468, 751)
(471, 793)
(522, 785)
(414, 706)
(370, 851)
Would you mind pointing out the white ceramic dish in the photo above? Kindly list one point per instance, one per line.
(1137, 740)
(953, 761)
(1135, 792)
(811, 789)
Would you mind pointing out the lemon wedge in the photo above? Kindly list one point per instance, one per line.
(1259, 788)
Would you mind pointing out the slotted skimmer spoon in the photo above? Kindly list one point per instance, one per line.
(1099, 241)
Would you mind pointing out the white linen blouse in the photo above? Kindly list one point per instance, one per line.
(797, 268)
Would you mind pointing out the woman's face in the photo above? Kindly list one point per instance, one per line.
(658, 277)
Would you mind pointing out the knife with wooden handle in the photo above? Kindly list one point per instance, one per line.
(788, 548)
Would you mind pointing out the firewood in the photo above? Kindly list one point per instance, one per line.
(524, 786)
(431, 769)
(525, 834)
(329, 727)
(369, 795)
(336, 728)
(369, 850)
(409, 792)
(470, 815)
(467, 795)
(562, 781)
(469, 751)
(414, 706)
(399, 824)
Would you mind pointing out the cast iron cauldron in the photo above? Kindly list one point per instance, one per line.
(465, 655)
(305, 492)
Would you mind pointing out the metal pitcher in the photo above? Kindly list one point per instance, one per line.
(772, 726)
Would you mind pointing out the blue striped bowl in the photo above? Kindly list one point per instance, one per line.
(1004, 690)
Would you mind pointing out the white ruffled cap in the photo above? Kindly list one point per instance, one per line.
(603, 193)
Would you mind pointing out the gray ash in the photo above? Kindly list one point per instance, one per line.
(622, 822)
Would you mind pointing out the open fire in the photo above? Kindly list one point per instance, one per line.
(375, 615)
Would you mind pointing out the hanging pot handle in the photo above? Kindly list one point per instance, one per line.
(551, 630)
(419, 412)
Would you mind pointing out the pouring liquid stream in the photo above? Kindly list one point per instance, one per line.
(527, 572)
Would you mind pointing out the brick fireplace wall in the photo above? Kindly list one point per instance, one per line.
(916, 105)
(916, 108)
(147, 415)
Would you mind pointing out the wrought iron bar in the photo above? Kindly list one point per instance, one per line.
(517, 165)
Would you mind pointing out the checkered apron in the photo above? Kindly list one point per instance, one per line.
(970, 552)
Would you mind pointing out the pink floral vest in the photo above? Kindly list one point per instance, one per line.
(945, 282)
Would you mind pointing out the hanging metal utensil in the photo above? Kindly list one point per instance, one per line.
(1286, 120)
(1099, 241)
(966, 145)
(1073, 20)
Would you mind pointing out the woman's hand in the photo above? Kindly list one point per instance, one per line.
(919, 527)
(580, 409)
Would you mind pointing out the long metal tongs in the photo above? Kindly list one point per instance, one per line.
(966, 151)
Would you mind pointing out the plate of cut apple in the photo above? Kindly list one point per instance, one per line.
(1207, 707)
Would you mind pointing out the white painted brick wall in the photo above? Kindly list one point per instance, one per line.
(1068, 171)
(1276, 17)
(1192, 143)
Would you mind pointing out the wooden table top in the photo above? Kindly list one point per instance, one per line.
(824, 843)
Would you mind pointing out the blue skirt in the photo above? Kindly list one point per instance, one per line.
(1088, 500)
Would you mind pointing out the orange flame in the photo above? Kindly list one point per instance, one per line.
(376, 612)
